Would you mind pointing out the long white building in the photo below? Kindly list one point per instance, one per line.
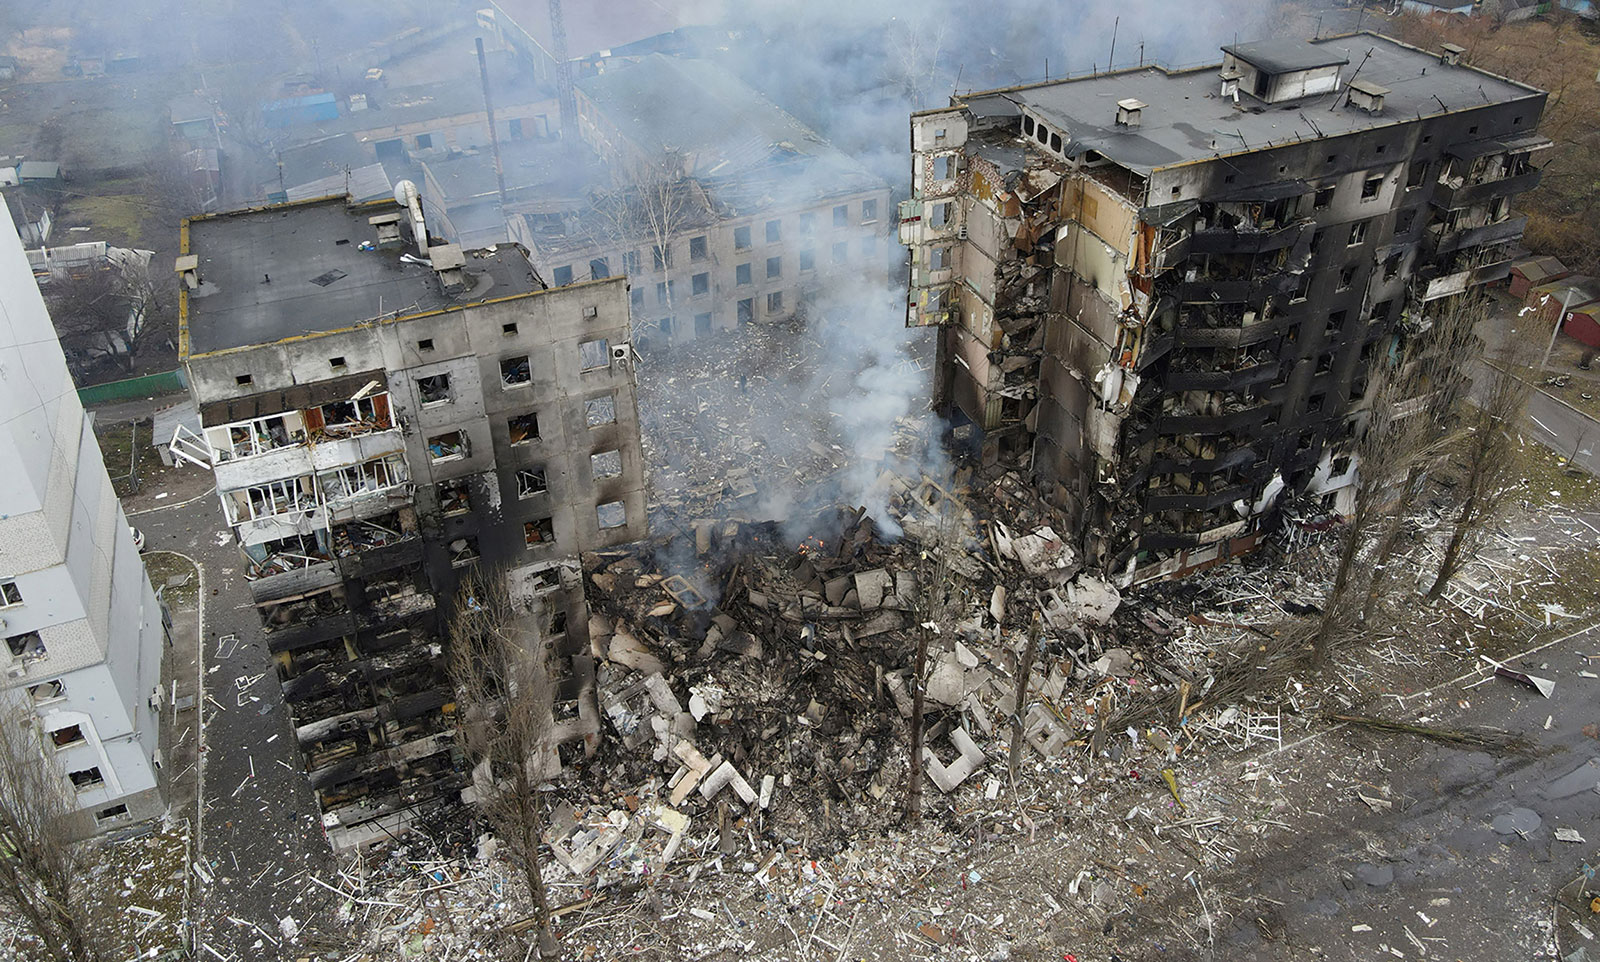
(82, 626)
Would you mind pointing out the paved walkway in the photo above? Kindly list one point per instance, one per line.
(1553, 422)
(259, 829)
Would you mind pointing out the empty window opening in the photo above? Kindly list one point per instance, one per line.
(606, 464)
(85, 779)
(1371, 186)
(741, 238)
(449, 446)
(869, 210)
(661, 256)
(808, 223)
(463, 552)
(1324, 197)
(1391, 268)
(336, 363)
(556, 623)
(702, 325)
(775, 302)
(508, 328)
(942, 166)
(561, 276)
(10, 594)
(700, 284)
(531, 481)
(523, 428)
(515, 371)
(612, 514)
(67, 737)
(1358, 233)
(594, 354)
(115, 813)
(746, 311)
(539, 531)
(426, 344)
(774, 231)
(1416, 175)
(697, 248)
(841, 215)
(808, 260)
(1347, 277)
(741, 274)
(434, 389)
(1336, 323)
(774, 267)
(599, 268)
(368, 477)
(47, 691)
(603, 410)
(590, 312)
(243, 379)
(455, 496)
(841, 252)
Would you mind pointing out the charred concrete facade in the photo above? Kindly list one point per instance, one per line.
(1162, 292)
(377, 422)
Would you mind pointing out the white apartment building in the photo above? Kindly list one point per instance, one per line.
(83, 628)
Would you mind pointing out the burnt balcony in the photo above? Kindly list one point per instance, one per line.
(1197, 501)
(1449, 198)
(1227, 422)
(1244, 240)
(1232, 454)
(311, 632)
(369, 561)
(1237, 379)
(290, 579)
(1444, 241)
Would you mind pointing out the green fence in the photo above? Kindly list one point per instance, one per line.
(150, 385)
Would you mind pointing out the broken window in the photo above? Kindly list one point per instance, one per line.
(47, 691)
(1302, 287)
(612, 514)
(808, 260)
(454, 496)
(938, 258)
(1417, 175)
(697, 248)
(664, 291)
(463, 552)
(606, 464)
(530, 481)
(869, 209)
(515, 371)
(272, 498)
(665, 325)
(361, 413)
(841, 215)
(808, 223)
(1347, 277)
(523, 427)
(337, 363)
(1336, 323)
(774, 267)
(599, 268)
(1324, 197)
(1380, 310)
(539, 531)
(774, 231)
(1402, 224)
(508, 328)
(841, 252)
(67, 737)
(630, 262)
(10, 594)
(702, 324)
(741, 238)
(1358, 232)
(434, 389)
(561, 276)
(775, 302)
(939, 214)
(368, 477)
(1391, 267)
(661, 256)
(603, 410)
(448, 446)
(425, 344)
(27, 646)
(593, 354)
(741, 274)
(746, 310)
(700, 284)
(941, 167)
(86, 778)
(115, 813)
(555, 621)
(1371, 186)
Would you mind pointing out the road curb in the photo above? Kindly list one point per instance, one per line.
(1561, 401)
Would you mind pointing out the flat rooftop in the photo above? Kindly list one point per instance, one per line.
(271, 273)
(1187, 118)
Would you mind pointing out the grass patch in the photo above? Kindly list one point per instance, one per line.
(117, 219)
(162, 567)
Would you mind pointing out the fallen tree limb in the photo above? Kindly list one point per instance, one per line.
(1477, 737)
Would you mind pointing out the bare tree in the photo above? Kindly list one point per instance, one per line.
(98, 315)
(936, 587)
(504, 697)
(1488, 462)
(39, 867)
(1019, 707)
(1443, 347)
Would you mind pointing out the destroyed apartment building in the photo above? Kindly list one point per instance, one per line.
(1161, 292)
(381, 412)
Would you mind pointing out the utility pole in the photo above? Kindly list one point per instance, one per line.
(564, 97)
(1566, 302)
(494, 135)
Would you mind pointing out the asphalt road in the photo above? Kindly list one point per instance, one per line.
(260, 831)
(1564, 430)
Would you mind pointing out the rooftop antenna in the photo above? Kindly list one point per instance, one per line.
(956, 86)
(1141, 53)
(1318, 34)
(568, 103)
(1352, 79)
(1047, 70)
(494, 136)
(1111, 61)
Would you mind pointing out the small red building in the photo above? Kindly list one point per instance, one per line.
(1535, 271)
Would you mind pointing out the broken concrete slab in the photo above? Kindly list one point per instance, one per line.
(1095, 599)
(725, 775)
(970, 759)
(1115, 661)
(871, 586)
(947, 683)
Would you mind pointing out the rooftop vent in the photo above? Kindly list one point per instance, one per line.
(1128, 112)
(1367, 96)
(388, 228)
(1450, 54)
(188, 268)
(447, 262)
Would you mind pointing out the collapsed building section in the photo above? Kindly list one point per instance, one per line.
(380, 414)
(1162, 292)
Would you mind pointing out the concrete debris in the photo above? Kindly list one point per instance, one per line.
(969, 759)
(1094, 598)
